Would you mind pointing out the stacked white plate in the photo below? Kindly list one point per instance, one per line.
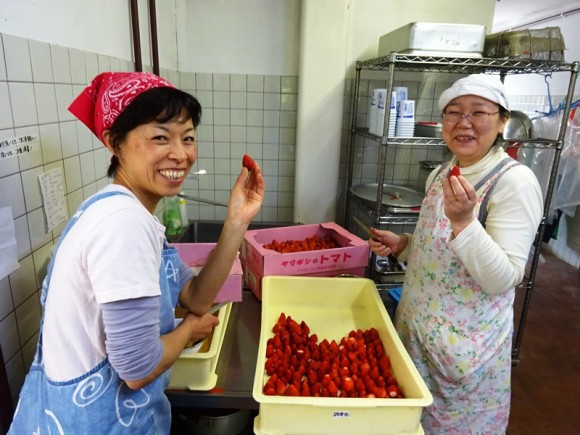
(406, 119)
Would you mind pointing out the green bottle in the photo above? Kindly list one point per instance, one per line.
(172, 217)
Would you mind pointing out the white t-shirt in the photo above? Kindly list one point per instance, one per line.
(112, 253)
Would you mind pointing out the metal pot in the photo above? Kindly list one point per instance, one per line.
(428, 129)
(425, 168)
(519, 127)
(216, 421)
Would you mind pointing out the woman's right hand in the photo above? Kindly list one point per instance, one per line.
(385, 242)
(200, 326)
(191, 328)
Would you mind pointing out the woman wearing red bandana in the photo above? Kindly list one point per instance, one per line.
(107, 340)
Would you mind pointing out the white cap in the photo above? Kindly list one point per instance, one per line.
(482, 85)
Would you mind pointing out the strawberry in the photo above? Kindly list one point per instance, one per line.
(248, 162)
(292, 391)
(380, 392)
(347, 384)
(354, 366)
(393, 391)
(280, 387)
(454, 172)
(332, 389)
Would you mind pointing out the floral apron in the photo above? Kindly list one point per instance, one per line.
(458, 336)
(98, 402)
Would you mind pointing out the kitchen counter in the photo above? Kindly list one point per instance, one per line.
(236, 364)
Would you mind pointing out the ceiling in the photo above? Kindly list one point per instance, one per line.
(511, 14)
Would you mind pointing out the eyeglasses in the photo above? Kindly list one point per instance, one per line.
(474, 118)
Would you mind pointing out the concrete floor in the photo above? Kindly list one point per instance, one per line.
(546, 381)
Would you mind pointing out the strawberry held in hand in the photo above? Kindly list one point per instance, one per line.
(454, 172)
(248, 162)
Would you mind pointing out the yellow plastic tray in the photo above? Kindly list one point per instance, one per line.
(257, 430)
(197, 370)
(332, 307)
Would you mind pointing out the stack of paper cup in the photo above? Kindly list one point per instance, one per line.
(393, 114)
(372, 113)
(381, 109)
(406, 119)
(402, 94)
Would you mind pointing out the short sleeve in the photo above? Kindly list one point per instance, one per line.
(122, 253)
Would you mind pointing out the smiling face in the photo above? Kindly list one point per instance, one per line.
(155, 158)
(468, 138)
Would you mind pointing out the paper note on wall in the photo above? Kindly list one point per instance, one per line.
(53, 197)
(8, 251)
(16, 146)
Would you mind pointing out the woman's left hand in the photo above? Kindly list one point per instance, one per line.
(460, 200)
(247, 195)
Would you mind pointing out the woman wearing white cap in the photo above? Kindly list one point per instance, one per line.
(468, 252)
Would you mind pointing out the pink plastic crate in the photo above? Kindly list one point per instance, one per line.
(195, 255)
(350, 258)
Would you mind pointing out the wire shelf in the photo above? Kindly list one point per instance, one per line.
(437, 141)
(386, 217)
(465, 65)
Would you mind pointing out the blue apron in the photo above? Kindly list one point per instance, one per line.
(98, 402)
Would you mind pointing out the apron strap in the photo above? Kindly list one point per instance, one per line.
(493, 177)
(74, 218)
(498, 168)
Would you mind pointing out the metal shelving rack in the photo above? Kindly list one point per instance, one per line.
(397, 62)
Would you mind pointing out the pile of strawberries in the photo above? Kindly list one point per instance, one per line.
(298, 365)
(313, 243)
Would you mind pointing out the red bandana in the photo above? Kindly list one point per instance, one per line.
(99, 105)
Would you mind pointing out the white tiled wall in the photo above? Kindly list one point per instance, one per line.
(38, 81)
(250, 114)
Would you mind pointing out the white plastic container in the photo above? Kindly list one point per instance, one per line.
(406, 119)
(196, 370)
(381, 110)
(435, 39)
(402, 93)
(372, 113)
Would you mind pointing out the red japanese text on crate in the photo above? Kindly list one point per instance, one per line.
(333, 259)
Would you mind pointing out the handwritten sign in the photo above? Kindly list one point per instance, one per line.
(53, 197)
(17, 145)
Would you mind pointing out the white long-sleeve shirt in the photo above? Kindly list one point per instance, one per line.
(496, 255)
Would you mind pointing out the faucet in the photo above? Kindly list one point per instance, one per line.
(195, 175)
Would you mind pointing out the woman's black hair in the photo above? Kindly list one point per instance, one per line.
(158, 104)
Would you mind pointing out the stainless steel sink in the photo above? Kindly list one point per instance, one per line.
(209, 231)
